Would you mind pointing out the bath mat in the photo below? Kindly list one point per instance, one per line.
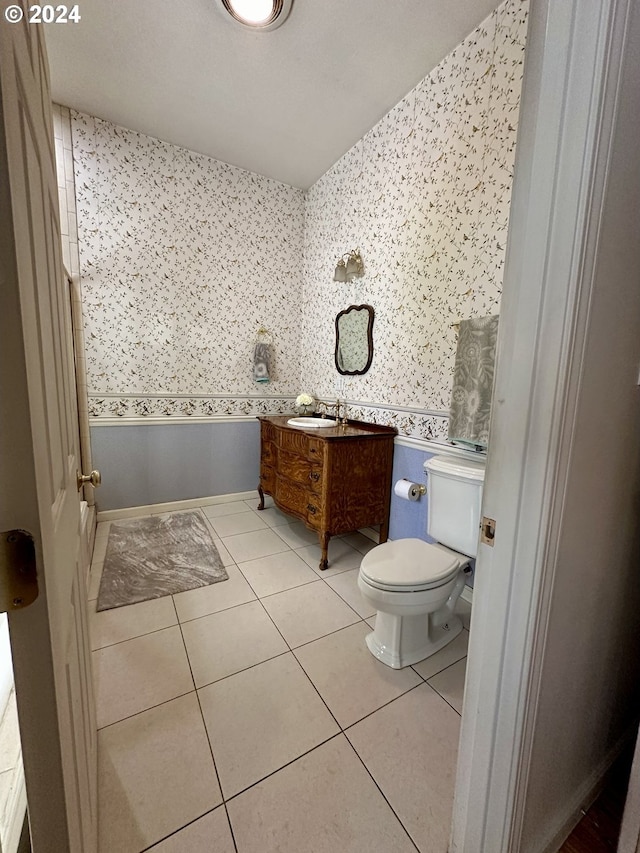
(157, 555)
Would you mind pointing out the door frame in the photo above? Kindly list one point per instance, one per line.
(574, 54)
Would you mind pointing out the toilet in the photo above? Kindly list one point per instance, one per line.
(414, 585)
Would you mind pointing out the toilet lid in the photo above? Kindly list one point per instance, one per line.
(408, 563)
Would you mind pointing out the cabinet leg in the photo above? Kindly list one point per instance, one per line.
(324, 545)
(261, 493)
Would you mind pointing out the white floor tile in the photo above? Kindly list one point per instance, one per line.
(346, 585)
(250, 546)
(124, 623)
(156, 774)
(263, 707)
(278, 572)
(273, 516)
(342, 557)
(208, 834)
(410, 747)
(243, 522)
(220, 510)
(138, 674)
(296, 535)
(194, 603)
(450, 684)
(262, 718)
(308, 612)
(324, 802)
(252, 503)
(348, 677)
(455, 651)
(359, 542)
(225, 556)
(230, 641)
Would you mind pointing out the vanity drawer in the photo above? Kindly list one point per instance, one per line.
(314, 510)
(315, 450)
(293, 441)
(315, 477)
(293, 467)
(291, 496)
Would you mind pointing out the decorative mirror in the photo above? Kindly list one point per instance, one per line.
(354, 340)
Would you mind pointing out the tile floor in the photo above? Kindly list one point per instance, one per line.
(249, 716)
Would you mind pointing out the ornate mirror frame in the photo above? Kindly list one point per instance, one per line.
(369, 340)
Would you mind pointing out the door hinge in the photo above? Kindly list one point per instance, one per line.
(18, 575)
(487, 530)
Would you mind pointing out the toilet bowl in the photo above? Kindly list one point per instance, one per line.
(414, 585)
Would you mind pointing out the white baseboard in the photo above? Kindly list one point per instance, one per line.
(467, 594)
(370, 533)
(174, 506)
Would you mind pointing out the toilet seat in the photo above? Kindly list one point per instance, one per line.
(409, 565)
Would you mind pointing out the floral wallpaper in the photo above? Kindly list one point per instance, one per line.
(425, 198)
(183, 259)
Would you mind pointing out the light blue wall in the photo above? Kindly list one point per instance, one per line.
(408, 518)
(154, 463)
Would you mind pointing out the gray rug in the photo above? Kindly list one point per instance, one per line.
(157, 555)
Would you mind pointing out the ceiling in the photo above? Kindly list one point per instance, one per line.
(286, 103)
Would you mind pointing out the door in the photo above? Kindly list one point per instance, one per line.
(39, 460)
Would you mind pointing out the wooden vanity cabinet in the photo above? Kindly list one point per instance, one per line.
(335, 479)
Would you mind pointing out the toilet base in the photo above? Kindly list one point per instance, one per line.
(399, 641)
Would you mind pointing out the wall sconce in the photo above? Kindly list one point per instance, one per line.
(350, 268)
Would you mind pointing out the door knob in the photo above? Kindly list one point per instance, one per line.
(93, 479)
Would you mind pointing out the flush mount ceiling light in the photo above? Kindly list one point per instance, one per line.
(258, 14)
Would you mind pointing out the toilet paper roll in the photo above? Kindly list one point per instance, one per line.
(407, 490)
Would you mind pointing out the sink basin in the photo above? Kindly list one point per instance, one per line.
(311, 423)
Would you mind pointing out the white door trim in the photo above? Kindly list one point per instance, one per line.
(574, 53)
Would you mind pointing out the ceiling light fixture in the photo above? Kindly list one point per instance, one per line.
(258, 14)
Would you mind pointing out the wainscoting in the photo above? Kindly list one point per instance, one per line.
(153, 463)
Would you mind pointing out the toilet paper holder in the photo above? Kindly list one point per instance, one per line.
(409, 490)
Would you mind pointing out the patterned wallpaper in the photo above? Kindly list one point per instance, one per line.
(425, 197)
(183, 259)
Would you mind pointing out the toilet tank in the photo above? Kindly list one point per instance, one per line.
(454, 489)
